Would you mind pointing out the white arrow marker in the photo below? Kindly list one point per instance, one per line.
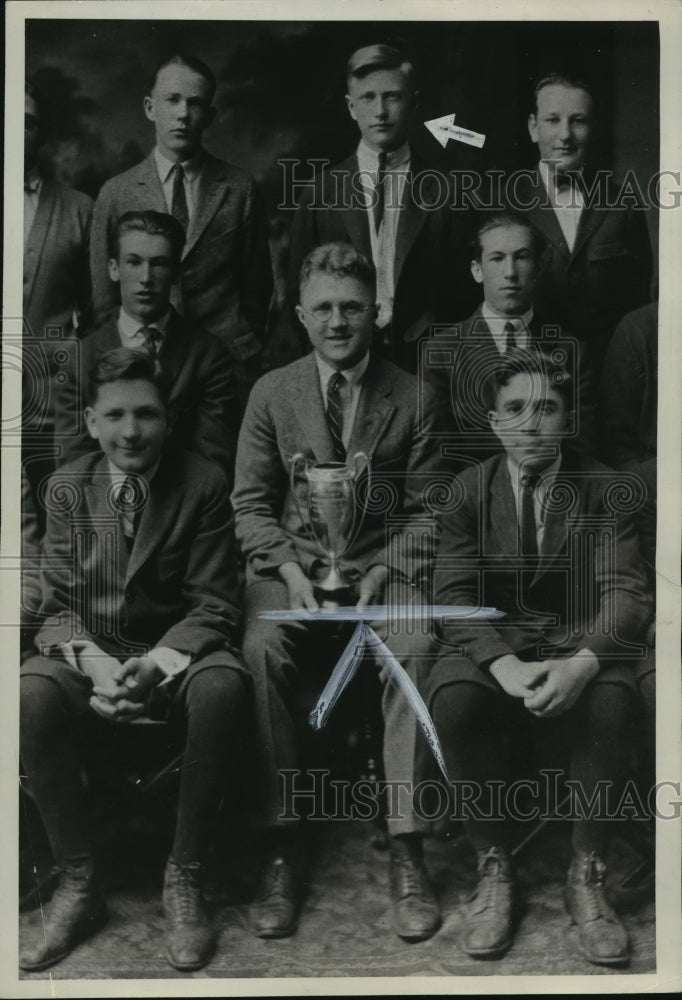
(444, 129)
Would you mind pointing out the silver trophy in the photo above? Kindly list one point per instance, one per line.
(334, 519)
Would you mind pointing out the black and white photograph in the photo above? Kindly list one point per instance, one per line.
(338, 556)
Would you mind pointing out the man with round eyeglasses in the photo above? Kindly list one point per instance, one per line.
(337, 401)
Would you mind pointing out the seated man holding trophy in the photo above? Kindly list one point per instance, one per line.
(335, 437)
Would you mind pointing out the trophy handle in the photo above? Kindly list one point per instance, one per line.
(359, 459)
(299, 457)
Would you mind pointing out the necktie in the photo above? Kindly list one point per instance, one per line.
(179, 200)
(335, 415)
(528, 536)
(152, 339)
(509, 337)
(380, 191)
(128, 504)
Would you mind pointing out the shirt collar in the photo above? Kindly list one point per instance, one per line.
(547, 476)
(118, 477)
(548, 172)
(128, 326)
(369, 158)
(165, 166)
(32, 180)
(489, 313)
(352, 375)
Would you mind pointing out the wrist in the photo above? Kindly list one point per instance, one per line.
(291, 572)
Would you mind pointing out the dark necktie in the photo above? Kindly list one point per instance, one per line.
(152, 339)
(380, 191)
(527, 532)
(179, 200)
(509, 337)
(128, 502)
(335, 414)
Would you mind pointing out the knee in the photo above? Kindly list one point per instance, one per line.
(267, 652)
(216, 692)
(609, 712)
(460, 709)
(40, 704)
(647, 692)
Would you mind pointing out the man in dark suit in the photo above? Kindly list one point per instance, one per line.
(598, 262)
(384, 201)
(549, 541)
(458, 361)
(226, 276)
(56, 291)
(329, 405)
(139, 597)
(203, 414)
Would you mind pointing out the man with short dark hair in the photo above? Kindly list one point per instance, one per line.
(337, 401)
(225, 279)
(506, 254)
(203, 414)
(545, 537)
(598, 263)
(394, 211)
(140, 603)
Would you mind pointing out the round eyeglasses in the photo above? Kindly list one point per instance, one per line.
(349, 310)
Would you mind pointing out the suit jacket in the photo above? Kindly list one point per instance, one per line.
(56, 286)
(285, 415)
(575, 596)
(607, 273)
(456, 363)
(203, 415)
(178, 586)
(432, 283)
(226, 275)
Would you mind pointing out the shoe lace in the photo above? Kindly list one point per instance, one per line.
(413, 879)
(185, 892)
(491, 871)
(275, 880)
(593, 873)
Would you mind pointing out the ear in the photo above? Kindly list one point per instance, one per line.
(476, 271)
(300, 312)
(533, 127)
(114, 272)
(351, 109)
(149, 108)
(91, 422)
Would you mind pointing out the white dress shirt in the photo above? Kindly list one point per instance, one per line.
(32, 185)
(192, 170)
(383, 241)
(547, 477)
(130, 329)
(350, 392)
(567, 203)
(497, 322)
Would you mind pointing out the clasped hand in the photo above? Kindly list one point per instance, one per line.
(548, 687)
(121, 699)
(301, 593)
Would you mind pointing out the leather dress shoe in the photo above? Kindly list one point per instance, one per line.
(274, 911)
(76, 911)
(415, 907)
(489, 916)
(190, 938)
(601, 937)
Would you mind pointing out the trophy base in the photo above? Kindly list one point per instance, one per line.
(339, 597)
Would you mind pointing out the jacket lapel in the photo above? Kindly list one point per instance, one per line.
(590, 220)
(213, 189)
(309, 410)
(374, 411)
(150, 192)
(556, 527)
(174, 348)
(543, 216)
(37, 236)
(355, 220)
(410, 222)
(503, 515)
(159, 514)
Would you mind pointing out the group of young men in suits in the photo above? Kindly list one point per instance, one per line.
(139, 568)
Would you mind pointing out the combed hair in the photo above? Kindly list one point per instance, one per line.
(371, 58)
(562, 80)
(341, 260)
(154, 223)
(191, 62)
(505, 219)
(126, 364)
(530, 362)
